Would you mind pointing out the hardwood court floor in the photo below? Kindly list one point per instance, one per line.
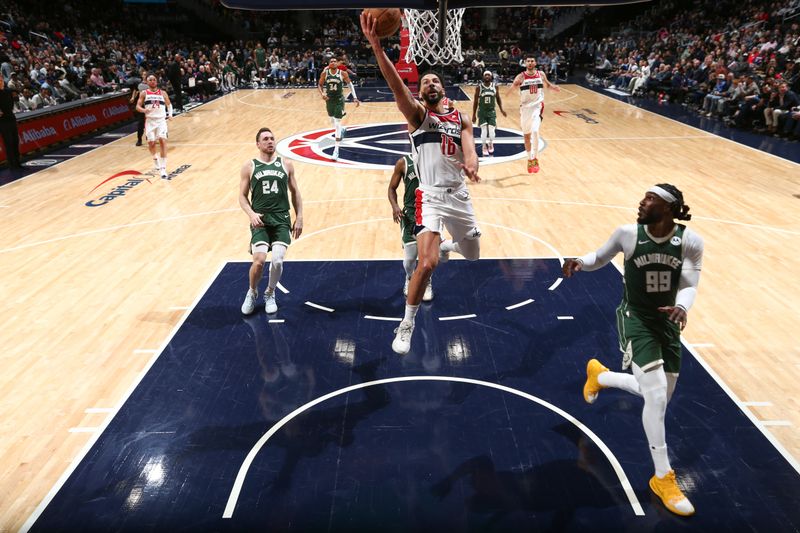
(91, 293)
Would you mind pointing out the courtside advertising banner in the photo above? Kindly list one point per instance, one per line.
(43, 131)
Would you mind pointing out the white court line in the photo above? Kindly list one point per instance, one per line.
(702, 345)
(382, 199)
(84, 430)
(141, 350)
(457, 317)
(99, 410)
(276, 320)
(78, 458)
(565, 317)
(735, 399)
(389, 318)
(317, 306)
(240, 476)
(526, 302)
(555, 285)
(283, 289)
(654, 138)
(178, 308)
(756, 404)
(776, 422)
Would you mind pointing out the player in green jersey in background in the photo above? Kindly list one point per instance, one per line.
(483, 111)
(268, 180)
(331, 87)
(662, 269)
(406, 216)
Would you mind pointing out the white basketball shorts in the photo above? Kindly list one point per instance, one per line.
(155, 129)
(437, 209)
(530, 117)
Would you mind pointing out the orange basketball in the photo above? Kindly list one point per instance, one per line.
(388, 20)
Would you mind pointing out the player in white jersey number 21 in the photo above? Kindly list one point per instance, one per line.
(443, 148)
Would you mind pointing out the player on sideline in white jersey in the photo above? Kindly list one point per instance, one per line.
(531, 83)
(444, 152)
(157, 109)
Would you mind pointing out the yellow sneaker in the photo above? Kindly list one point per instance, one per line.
(671, 496)
(592, 388)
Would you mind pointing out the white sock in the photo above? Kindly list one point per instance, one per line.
(157, 161)
(660, 460)
(409, 259)
(164, 164)
(411, 312)
(653, 385)
(530, 155)
(620, 380)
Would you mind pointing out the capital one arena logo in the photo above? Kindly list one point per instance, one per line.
(379, 146)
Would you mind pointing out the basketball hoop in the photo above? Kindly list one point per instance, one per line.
(427, 44)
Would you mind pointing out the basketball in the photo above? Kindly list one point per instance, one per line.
(388, 20)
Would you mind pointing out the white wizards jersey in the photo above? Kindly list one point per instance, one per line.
(531, 91)
(154, 106)
(436, 148)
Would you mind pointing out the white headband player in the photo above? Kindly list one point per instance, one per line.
(663, 194)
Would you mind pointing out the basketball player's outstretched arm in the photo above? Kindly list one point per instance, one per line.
(244, 191)
(297, 201)
(553, 86)
(406, 103)
(397, 175)
(500, 104)
(140, 103)
(470, 166)
(322, 78)
(475, 103)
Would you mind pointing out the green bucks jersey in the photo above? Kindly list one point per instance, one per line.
(653, 271)
(269, 185)
(334, 84)
(487, 99)
(410, 182)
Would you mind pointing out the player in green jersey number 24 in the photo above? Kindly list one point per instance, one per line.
(268, 180)
(662, 269)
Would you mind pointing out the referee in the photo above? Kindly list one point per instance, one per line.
(8, 125)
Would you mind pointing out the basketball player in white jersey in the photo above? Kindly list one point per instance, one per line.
(157, 109)
(443, 150)
(531, 83)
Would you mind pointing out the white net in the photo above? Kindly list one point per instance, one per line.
(423, 29)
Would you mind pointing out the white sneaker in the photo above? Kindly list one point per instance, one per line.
(164, 174)
(249, 304)
(335, 153)
(428, 294)
(405, 287)
(402, 339)
(269, 302)
(485, 151)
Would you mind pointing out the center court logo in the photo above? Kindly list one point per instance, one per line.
(379, 146)
(133, 178)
